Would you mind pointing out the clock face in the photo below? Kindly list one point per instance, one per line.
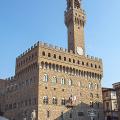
(79, 50)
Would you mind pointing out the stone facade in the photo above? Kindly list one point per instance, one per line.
(117, 88)
(3, 84)
(57, 83)
(110, 104)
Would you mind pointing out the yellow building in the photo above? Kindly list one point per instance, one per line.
(53, 83)
(116, 86)
(110, 104)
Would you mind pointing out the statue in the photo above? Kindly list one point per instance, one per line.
(33, 115)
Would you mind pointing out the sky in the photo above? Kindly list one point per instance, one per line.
(24, 22)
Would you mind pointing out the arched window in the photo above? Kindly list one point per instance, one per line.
(69, 60)
(62, 81)
(96, 86)
(64, 69)
(91, 65)
(64, 58)
(91, 104)
(54, 79)
(54, 100)
(43, 53)
(91, 95)
(97, 95)
(82, 63)
(45, 78)
(63, 101)
(80, 84)
(49, 55)
(95, 66)
(73, 61)
(99, 67)
(54, 56)
(59, 57)
(70, 82)
(89, 85)
(45, 99)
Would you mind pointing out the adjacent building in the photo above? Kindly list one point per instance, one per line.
(110, 104)
(117, 88)
(3, 84)
(53, 83)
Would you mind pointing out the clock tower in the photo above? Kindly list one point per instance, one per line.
(75, 20)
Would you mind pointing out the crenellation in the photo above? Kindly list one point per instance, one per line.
(60, 49)
(31, 47)
(56, 47)
(51, 46)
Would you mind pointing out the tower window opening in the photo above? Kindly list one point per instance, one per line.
(43, 53)
(69, 60)
(49, 55)
(64, 58)
(54, 56)
(59, 57)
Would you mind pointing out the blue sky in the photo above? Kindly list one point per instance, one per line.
(24, 22)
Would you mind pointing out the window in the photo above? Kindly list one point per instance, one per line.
(63, 101)
(43, 53)
(99, 67)
(49, 55)
(54, 56)
(70, 82)
(54, 100)
(14, 105)
(87, 64)
(80, 85)
(54, 79)
(91, 65)
(95, 66)
(45, 99)
(80, 94)
(82, 63)
(113, 93)
(69, 60)
(59, 57)
(97, 95)
(107, 95)
(63, 90)
(90, 86)
(73, 61)
(91, 104)
(64, 58)
(91, 95)
(96, 86)
(48, 114)
(62, 81)
(107, 105)
(45, 79)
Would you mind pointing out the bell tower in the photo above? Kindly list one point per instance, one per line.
(75, 20)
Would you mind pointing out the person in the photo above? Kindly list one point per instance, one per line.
(33, 115)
